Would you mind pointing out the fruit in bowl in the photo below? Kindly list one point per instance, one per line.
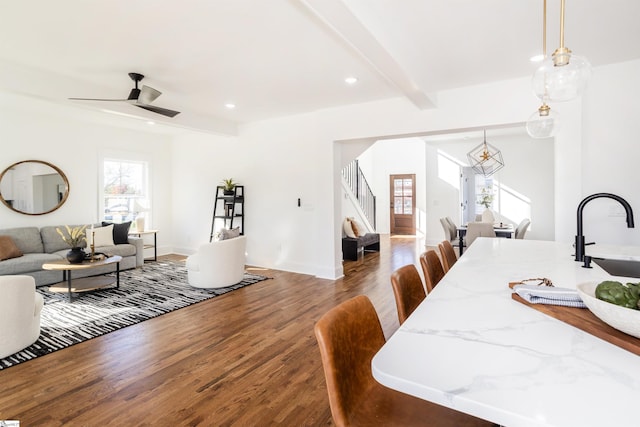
(619, 308)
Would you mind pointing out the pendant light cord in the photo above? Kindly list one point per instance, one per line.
(544, 30)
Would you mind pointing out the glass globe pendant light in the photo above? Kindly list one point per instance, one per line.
(544, 123)
(564, 76)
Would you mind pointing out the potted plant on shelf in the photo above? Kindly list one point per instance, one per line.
(74, 237)
(228, 185)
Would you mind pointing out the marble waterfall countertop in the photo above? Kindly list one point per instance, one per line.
(470, 347)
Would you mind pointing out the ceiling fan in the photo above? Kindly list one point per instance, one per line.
(139, 97)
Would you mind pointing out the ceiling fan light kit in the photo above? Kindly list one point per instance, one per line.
(141, 98)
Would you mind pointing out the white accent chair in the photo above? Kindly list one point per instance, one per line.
(20, 307)
(218, 264)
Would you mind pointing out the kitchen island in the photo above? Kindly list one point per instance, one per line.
(472, 348)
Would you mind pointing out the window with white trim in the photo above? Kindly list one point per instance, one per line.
(125, 190)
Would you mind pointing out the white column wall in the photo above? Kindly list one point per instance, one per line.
(611, 139)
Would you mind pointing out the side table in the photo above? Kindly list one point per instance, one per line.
(153, 245)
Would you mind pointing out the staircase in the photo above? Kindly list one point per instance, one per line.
(355, 180)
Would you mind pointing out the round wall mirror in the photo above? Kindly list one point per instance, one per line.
(33, 187)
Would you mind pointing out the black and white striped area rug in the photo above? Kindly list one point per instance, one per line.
(154, 289)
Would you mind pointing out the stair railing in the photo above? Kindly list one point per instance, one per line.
(360, 187)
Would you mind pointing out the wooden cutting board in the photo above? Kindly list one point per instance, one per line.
(585, 320)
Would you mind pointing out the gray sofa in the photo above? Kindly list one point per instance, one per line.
(43, 245)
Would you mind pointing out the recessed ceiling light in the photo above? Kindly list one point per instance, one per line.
(230, 106)
(351, 80)
(151, 123)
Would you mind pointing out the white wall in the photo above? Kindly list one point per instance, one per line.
(278, 161)
(74, 147)
(611, 133)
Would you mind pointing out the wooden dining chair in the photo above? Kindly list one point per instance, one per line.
(448, 255)
(349, 335)
(431, 268)
(479, 229)
(407, 290)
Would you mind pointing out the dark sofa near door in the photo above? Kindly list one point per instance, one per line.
(352, 245)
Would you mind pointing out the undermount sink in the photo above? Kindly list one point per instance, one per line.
(619, 267)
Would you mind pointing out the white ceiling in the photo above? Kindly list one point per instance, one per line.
(281, 57)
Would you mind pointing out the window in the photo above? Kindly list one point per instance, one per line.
(125, 190)
(403, 196)
(486, 194)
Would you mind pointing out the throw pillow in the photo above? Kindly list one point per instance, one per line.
(103, 236)
(120, 232)
(230, 234)
(348, 228)
(8, 248)
(359, 228)
(354, 227)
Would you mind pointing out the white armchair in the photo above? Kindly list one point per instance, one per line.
(218, 264)
(20, 307)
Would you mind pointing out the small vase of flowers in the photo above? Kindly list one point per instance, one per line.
(486, 197)
(74, 237)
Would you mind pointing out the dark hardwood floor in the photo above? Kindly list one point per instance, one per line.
(246, 358)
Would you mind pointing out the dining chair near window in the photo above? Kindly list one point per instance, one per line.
(448, 254)
(451, 232)
(432, 269)
(349, 335)
(407, 290)
(446, 227)
(479, 229)
(488, 216)
(522, 228)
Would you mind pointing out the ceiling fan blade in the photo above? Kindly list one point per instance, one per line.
(148, 95)
(96, 99)
(139, 97)
(159, 110)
